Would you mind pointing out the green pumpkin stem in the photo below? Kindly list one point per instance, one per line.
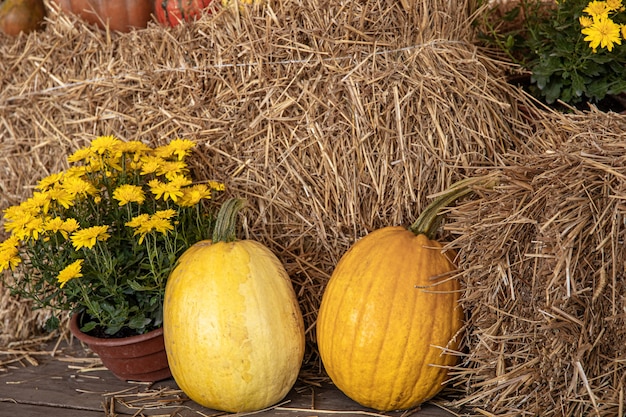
(429, 220)
(226, 222)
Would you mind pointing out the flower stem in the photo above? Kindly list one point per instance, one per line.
(226, 222)
(428, 221)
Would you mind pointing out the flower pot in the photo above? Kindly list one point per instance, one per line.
(134, 358)
(120, 15)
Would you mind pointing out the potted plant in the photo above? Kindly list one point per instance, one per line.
(100, 239)
(574, 50)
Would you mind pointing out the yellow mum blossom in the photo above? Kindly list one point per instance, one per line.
(585, 21)
(103, 144)
(217, 186)
(78, 186)
(9, 253)
(49, 182)
(81, 155)
(138, 220)
(25, 226)
(615, 5)
(170, 190)
(172, 168)
(144, 223)
(597, 10)
(129, 193)
(151, 164)
(192, 195)
(604, 33)
(160, 225)
(65, 227)
(33, 227)
(164, 214)
(70, 272)
(87, 238)
(38, 203)
(135, 147)
(62, 197)
(178, 147)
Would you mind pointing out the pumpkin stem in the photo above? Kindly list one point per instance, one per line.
(428, 221)
(226, 222)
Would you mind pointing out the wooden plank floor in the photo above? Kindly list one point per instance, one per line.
(74, 384)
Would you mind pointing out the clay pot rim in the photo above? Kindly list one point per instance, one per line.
(113, 341)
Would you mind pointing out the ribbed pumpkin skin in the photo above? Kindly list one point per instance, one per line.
(375, 324)
(234, 333)
(121, 15)
(173, 12)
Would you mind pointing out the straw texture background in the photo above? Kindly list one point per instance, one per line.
(336, 118)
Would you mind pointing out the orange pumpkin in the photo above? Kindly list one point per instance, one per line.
(119, 15)
(174, 12)
(21, 16)
(390, 317)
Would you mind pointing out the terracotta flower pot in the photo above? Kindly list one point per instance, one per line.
(134, 358)
(120, 15)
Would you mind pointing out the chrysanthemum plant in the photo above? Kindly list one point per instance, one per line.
(101, 237)
(574, 49)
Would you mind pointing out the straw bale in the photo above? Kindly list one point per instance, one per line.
(543, 261)
(331, 118)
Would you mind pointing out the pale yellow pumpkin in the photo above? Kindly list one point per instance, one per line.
(234, 333)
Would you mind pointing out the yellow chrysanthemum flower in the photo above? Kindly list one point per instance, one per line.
(194, 194)
(151, 164)
(160, 225)
(134, 147)
(217, 186)
(78, 186)
(33, 228)
(38, 203)
(138, 220)
(70, 272)
(129, 193)
(9, 253)
(87, 238)
(614, 5)
(81, 155)
(164, 214)
(103, 144)
(178, 147)
(597, 10)
(49, 182)
(25, 226)
(172, 168)
(604, 33)
(169, 190)
(65, 227)
(144, 224)
(585, 21)
(62, 197)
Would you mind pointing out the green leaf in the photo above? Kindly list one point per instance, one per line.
(89, 326)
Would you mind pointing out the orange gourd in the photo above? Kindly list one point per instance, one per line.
(390, 318)
(21, 16)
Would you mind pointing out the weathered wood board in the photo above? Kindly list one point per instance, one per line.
(75, 386)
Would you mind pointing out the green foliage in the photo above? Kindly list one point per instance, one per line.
(565, 64)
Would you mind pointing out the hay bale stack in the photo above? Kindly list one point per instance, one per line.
(331, 118)
(543, 259)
